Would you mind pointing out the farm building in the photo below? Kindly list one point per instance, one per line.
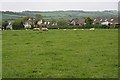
(97, 20)
(9, 26)
(112, 22)
(28, 24)
(76, 21)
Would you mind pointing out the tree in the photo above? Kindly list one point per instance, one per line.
(31, 21)
(53, 20)
(26, 18)
(88, 21)
(43, 20)
(62, 23)
(18, 24)
(38, 17)
(4, 24)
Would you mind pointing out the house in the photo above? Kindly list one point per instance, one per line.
(76, 21)
(28, 23)
(48, 23)
(80, 22)
(39, 22)
(113, 21)
(72, 22)
(97, 20)
(9, 26)
(54, 24)
(110, 22)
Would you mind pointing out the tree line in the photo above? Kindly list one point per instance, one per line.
(62, 24)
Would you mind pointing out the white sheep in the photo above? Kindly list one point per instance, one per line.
(92, 29)
(36, 29)
(75, 29)
(82, 29)
(45, 29)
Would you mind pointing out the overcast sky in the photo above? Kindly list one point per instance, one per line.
(52, 5)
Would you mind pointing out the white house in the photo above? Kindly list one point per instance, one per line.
(106, 23)
(39, 22)
(28, 24)
(9, 26)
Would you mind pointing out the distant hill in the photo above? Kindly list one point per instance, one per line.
(48, 15)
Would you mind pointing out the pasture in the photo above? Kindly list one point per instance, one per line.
(60, 54)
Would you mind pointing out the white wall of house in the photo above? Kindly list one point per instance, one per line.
(27, 26)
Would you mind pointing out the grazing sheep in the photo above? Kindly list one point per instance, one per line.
(82, 29)
(45, 29)
(74, 29)
(92, 29)
(64, 29)
(36, 29)
(6, 56)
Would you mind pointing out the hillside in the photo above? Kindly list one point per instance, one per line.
(59, 14)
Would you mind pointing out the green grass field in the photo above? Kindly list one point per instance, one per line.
(60, 54)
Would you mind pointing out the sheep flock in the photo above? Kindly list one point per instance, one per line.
(46, 29)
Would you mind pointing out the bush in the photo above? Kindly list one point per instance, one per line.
(88, 21)
(4, 24)
(88, 26)
(62, 23)
(97, 26)
(117, 26)
(18, 24)
(52, 27)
